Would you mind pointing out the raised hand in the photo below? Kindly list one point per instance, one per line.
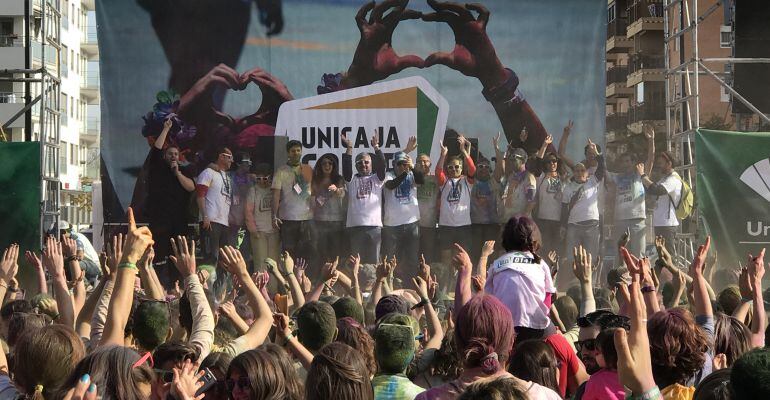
(640, 169)
(548, 140)
(187, 382)
(281, 324)
(496, 140)
(756, 268)
(9, 263)
(649, 132)
(696, 267)
(423, 268)
(33, 259)
(660, 246)
(53, 259)
(488, 248)
(375, 58)
(232, 261)
(375, 141)
(287, 263)
(633, 348)
(137, 240)
(411, 145)
(183, 256)
(568, 128)
(461, 260)
(444, 149)
(115, 253)
(421, 286)
(581, 264)
(69, 246)
(478, 282)
(329, 270)
(592, 149)
(299, 269)
(83, 390)
(473, 54)
(346, 141)
(274, 91)
(355, 263)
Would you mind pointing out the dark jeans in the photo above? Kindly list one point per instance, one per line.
(298, 238)
(365, 241)
(428, 240)
(449, 235)
(549, 231)
(214, 239)
(482, 233)
(403, 242)
(331, 240)
(162, 232)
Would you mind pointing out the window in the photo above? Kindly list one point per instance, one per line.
(72, 57)
(72, 107)
(725, 36)
(611, 12)
(639, 89)
(64, 55)
(63, 104)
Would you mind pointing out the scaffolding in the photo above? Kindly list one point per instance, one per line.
(683, 98)
(42, 19)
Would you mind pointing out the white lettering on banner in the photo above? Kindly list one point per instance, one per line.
(761, 229)
(392, 110)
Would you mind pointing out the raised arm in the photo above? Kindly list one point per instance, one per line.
(436, 334)
(464, 266)
(8, 268)
(53, 260)
(148, 277)
(233, 262)
(347, 159)
(355, 264)
(759, 320)
(700, 294)
(70, 253)
(563, 145)
(297, 297)
(281, 323)
(161, 140)
(378, 161)
(83, 321)
(583, 270)
(137, 241)
(649, 134)
(202, 334)
(440, 174)
(37, 264)
(499, 158)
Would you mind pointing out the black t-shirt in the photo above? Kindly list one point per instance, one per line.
(167, 200)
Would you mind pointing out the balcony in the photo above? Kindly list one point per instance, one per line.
(88, 42)
(90, 130)
(617, 42)
(89, 86)
(617, 122)
(646, 68)
(647, 111)
(10, 104)
(644, 15)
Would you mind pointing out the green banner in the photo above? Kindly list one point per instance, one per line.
(20, 200)
(733, 191)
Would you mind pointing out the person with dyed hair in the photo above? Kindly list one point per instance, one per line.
(394, 350)
(484, 334)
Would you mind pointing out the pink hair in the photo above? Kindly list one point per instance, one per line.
(484, 333)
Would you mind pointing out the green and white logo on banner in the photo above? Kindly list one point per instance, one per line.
(733, 190)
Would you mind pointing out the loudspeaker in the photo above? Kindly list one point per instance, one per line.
(752, 40)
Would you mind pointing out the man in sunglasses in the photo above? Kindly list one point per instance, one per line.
(168, 190)
(400, 234)
(214, 189)
(364, 221)
(519, 185)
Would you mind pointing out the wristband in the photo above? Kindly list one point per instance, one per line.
(506, 91)
(644, 176)
(70, 259)
(422, 303)
(648, 289)
(128, 265)
(652, 394)
(746, 300)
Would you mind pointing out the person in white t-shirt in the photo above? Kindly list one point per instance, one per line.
(214, 195)
(364, 220)
(401, 232)
(548, 171)
(455, 198)
(427, 199)
(291, 203)
(265, 239)
(668, 192)
(630, 210)
(580, 211)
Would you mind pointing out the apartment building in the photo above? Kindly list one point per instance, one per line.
(70, 53)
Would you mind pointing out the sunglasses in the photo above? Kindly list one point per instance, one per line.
(226, 156)
(263, 178)
(483, 166)
(164, 375)
(147, 357)
(588, 344)
(242, 382)
(452, 167)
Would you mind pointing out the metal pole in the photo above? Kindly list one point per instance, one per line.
(27, 65)
(696, 56)
(736, 94)
(667, 64)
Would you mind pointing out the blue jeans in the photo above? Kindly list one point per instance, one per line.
(584, 234)
(365, 241)
(638, 239)
(403, 241)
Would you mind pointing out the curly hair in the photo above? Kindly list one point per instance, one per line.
(446, 363)
(679, 346)
(731, 337)
(350, 332)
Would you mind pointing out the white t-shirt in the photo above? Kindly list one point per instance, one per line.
(515, 194)
(400, 204)
(455, 202)
(365, 201)
(295, 199)
(427, 198)
(549, 195)
(521, 285)
(629, 196)
(665, 211)
(89, 253)
(262, 198)
(587, 205)
(218, 196)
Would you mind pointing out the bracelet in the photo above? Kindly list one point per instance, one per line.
(746, 300)
(128, 265)
(422, 303)
(288, 339)
(648, 289)
(505, 91)
(652, 394)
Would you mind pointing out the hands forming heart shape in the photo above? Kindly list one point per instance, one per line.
(375, 59)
